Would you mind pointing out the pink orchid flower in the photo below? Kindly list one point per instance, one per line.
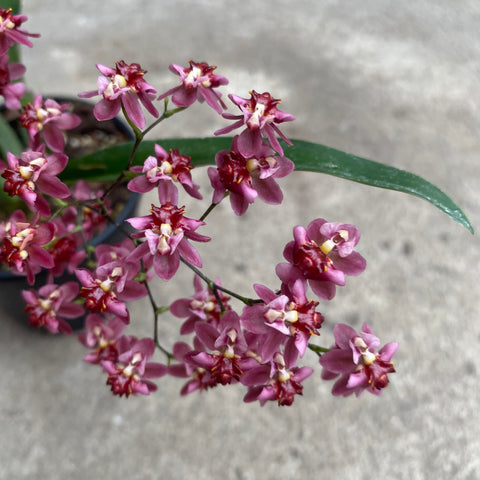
(124, 86)
(11, 92)
(47, 119)
(203, 306)
(167, 232)
(162, 171)
(260, 116)
(131, 372)
(322, 254)
(355, 359)
(24, 244)
(10, 31)
(32, 172)
(101, 336)
(51, 304)
(279, 381)
(245, 178)
(110, 286)
(198, 83)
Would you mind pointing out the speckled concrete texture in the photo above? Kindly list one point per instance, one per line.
(396, 82)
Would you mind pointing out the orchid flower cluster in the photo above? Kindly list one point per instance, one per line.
(261, 346)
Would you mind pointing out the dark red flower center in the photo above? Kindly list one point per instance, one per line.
(233, 170)
(285, 391)
(311, 260)
(225, 370)
(63, 249)
(121, 384)
(96, 297)
(167, 214)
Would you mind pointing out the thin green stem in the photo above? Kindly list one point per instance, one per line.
(211, 207)
(157, 311)
(215, 287)
(76, 229)
(165, 114)
(317, 349)
(207, 211)
(139, 136)
(120, 178)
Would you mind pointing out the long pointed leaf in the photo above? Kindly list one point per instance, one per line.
(319, 158)
(108, 163)
(13, 4)
(9, 141)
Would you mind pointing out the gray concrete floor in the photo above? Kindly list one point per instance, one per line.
(396, 82)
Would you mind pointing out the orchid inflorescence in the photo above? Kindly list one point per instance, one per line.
(260, 346)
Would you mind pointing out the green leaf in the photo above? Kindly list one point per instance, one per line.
(108, 163)
(9, 139)
(319, 158)
(15, 5)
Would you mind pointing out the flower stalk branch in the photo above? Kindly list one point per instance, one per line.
(260, 345)
(215, 287)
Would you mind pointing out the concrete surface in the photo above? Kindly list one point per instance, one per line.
(392, 81)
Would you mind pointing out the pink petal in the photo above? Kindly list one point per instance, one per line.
(352, 265)
(140, 184)
(268, 190)
(269, 132)
(53, 186)
(189, 253)
(264, 293)
(256, 376)
(166, 266)
(169, 92)
(338, 361)
(155, 370)
(356, 380)
(41, 257)
(106, 110)
(207, 334)
(388, 351)
(107, 71)
(184, 98)
(89, 94)
(118, 308)
(343, 334)
(167, 192)
(133, 291)
(147, 103)
(303, 373)
(84, 276)
(323, 289)
(71, 310)
(249, 143)
(134, 112)
(67, 121)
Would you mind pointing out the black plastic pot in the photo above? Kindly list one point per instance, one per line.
(90, 130)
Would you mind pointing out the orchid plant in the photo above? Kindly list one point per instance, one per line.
(260, 346)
